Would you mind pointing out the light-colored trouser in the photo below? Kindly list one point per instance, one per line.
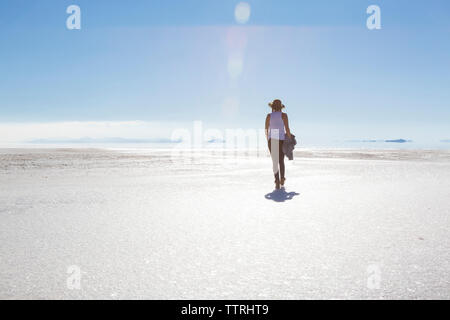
(275, 154)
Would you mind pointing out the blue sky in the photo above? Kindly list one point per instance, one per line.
(176, 61)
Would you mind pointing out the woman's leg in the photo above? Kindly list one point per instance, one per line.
(281, 154)
(275, 158)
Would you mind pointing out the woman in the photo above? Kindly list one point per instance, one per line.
(277, 128)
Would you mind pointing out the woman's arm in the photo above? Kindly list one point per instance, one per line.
(286, 124)
(267, 126)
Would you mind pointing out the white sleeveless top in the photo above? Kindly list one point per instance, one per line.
(276, 127)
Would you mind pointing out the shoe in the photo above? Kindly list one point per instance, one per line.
(282, 181)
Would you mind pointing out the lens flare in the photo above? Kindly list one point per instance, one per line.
(235, 66)
(242, 12)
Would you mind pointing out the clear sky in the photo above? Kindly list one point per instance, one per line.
(167, 63)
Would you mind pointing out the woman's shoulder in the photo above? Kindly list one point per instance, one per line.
(284, 114)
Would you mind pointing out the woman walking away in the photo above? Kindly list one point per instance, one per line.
(277, 129)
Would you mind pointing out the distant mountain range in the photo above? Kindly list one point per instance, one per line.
(398, 141)
(217, 141)
(386, 141)
(101, 140)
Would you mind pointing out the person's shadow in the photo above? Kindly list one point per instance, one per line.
(281, 195)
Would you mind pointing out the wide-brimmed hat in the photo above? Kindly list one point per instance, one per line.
(276, 104)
